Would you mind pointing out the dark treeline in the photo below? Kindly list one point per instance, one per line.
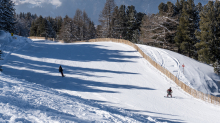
(23, 23)
(78, 28)
(186, 28)
(119, 22)
(45, 27)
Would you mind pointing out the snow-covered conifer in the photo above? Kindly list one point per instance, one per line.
(49, 30)
(68, 30)
(7, 18)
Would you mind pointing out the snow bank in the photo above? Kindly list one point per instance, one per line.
(197, 75)
(10, 43)
(2, 34)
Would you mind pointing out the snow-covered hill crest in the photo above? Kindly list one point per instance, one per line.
(195, 74)
(10, 43)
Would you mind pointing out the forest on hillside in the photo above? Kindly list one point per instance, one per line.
(183, 27)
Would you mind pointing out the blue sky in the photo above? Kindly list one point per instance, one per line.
(92, 7)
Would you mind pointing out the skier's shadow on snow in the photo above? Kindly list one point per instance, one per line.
(46, 73)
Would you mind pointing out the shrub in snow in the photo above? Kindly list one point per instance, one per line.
(216, 66)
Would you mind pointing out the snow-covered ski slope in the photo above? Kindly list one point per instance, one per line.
(104, 82)
(195, 74)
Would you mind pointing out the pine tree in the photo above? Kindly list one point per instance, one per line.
(23, 24)
(115, 23)
(122, 21)
(131, 23)
(38, 23)
(57, 26)
(207, 35)
(68, 30)
(216, 66)
(185, 38)
(199, 7)
(119, 21)
(139, 18)
(178, 6)
(217, 37)
(42, 28)
(85, 28)
(33, 29)
(162, 8)
(184, 23)
(78, 21)
(137, 32)
(182, 36)
(105, 18)
(98, 31)
(49, 30)
(193, 15)
(91, 30)
(7, 15)
(52, 27)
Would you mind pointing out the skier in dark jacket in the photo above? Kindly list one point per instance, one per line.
(169, 92)
(61, 70)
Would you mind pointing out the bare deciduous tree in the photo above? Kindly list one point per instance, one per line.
(157, 30)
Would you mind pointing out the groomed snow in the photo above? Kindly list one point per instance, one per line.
(104, 82)
(197, 75)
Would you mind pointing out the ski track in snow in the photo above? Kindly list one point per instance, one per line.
(23, 101)
(27, 102)
(192, 76)
(105, 82)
